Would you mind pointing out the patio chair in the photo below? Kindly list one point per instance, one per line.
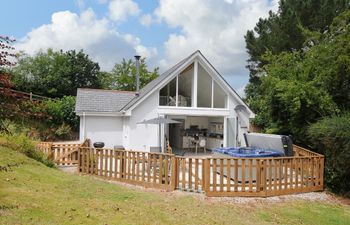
(169, 150)
(172, 101)
(202, 144)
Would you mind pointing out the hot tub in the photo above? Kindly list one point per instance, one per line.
(243, 153)
(249, 152)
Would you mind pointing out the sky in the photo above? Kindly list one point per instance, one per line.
(163, 31)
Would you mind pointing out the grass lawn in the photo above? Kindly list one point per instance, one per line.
(31, 193)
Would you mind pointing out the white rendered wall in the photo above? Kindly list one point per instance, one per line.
(243, 120)
(143, 136)
(106, 129)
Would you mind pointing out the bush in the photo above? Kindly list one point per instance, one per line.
(64, 131)
(63, 111)
(331, 136)
(23, 144)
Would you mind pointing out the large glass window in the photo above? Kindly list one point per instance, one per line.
(203, 88)
(180, 90)
(185, 87)
(184, 81)
(220, 98)
(167, 95)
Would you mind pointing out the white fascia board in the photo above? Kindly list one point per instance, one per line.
(191, 111)
(165, 81)
(101, 113)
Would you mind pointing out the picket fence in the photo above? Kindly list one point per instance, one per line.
(214, 176)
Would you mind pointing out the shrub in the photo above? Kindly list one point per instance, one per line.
(331, 136)
(23, 144)
(64, 131)
(62, 111)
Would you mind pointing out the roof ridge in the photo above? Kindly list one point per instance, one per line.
(107, 90)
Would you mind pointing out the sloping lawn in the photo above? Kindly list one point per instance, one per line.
(31, 193)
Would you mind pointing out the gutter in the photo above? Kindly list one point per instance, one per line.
(100, 113)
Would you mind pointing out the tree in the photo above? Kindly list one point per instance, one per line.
(331, 137)
(6, 55)
(287, 30)
(6, 51)
(62, 111)
(11, 107)
(56, 73)
(123, 75)
(300, 87)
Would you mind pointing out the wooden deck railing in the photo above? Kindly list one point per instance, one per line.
(141, 168)
(64, 153)
(263, 177)
(215, 176)
(190, 174)
(300, 151)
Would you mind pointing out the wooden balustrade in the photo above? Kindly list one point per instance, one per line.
(44, 147)
(64, 153)
(190, 174)
(142, 168)
(263, 176)
(300, 151)
(214, 176)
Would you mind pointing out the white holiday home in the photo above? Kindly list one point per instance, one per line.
(192, 93)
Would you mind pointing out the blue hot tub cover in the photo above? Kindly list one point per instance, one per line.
(249, 152)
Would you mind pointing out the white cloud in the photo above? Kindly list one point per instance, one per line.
(119, 10)
(216, 28)
(240, 91)
(80, 4)
(146, 20)
(68, 31)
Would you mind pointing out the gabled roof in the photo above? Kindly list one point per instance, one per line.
(151, 85)
(97, 100)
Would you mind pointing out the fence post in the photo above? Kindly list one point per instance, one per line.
(173, 172)
(322, 172)
(51, 152)
(263, 179)
(79, 160)
(206, 175)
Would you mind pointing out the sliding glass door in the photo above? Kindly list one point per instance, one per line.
(231, 132)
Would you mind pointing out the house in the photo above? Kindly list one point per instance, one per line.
(192, 92)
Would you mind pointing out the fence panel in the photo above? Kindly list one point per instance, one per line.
(190, 174)
(225, 176)
(140, 168)
(65, 154)
(264, 176)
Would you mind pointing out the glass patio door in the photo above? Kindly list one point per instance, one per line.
(231, 132)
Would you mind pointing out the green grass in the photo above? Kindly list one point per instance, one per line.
(31, 193)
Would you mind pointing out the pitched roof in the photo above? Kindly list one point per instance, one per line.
(97, 100)
(151, 85)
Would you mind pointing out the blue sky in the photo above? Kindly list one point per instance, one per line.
(163, 31)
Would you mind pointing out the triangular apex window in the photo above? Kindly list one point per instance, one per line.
(193, 87)
(178, 92)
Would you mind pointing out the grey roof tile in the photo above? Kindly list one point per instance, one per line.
(97, 100)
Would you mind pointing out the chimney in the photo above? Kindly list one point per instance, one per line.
(137, 62)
